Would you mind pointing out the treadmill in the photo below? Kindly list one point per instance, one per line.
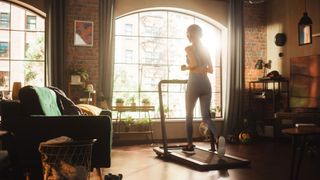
(202, 159)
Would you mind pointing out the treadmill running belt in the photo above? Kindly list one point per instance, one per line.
(203, 159)
(206, 157)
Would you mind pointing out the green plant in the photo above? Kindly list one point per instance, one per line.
(215, 109)
(81, 72)
(128, 122)
(145, 101)
(29, 73)
(119, 100)
(165, 109)
(132, 99)
(142, 124)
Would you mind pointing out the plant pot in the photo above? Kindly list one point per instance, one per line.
(119, 104)
(146, 104)
(133, 104)
(213, 115)
(75, 79)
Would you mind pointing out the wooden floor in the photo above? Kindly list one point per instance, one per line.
(270, 160)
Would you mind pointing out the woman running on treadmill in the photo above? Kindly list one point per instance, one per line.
(198, 87)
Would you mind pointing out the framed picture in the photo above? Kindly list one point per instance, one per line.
(83, 33)
(4, 49)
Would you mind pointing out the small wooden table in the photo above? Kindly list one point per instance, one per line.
(299, 133)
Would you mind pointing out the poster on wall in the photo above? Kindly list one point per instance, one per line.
(83, 33)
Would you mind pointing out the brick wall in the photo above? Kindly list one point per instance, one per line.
(255, 43)
(86, 57)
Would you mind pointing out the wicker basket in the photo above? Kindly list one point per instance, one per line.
(70, 160)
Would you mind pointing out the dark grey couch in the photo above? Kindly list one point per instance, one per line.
(31, 127)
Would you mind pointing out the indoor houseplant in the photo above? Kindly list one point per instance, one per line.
(145, 101)
(119, 101)
(78, 74)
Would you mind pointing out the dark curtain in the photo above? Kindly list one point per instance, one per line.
(234, 67)
(55, 43)
(106, 18)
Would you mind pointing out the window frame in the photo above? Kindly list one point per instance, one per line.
(221, 54)
(22, 60)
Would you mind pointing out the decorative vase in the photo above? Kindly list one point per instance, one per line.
(15, 90)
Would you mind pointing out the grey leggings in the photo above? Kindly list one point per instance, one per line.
(198, 87)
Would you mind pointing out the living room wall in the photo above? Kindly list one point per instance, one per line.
(283, 18)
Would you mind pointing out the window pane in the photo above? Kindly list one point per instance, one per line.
(4, 20)
(177, 105)
(17, 18)
(4, 75)
(16, 72)
(127, 25)
(17, 45)
(29, 73)
(4, 15)
(34, 46)
(176, 73)
(4, 50)
(33, 73)
(31, 22)
(178, 24)
(126, 77)
(153, 51)
(151, 75)
(126, 49)
(176, 53)
(153, 24)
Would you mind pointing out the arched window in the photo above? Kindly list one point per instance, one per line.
(149, 47)
(22, 41)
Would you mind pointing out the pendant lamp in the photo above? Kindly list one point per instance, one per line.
(305, 28)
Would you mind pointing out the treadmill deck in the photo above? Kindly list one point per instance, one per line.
(202, 159)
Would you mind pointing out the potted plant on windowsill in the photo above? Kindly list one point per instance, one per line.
(119, 102)
(145, 102)
(214, 111)
(132, 100)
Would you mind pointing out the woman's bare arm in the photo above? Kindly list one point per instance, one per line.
(192, 59)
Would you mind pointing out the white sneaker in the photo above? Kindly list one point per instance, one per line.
(221, 146)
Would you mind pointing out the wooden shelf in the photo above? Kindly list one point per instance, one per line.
(132, 108)
(122, 109)
(134, 132)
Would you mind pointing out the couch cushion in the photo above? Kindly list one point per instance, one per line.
(89, 109)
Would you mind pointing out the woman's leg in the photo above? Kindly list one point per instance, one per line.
(191, 99)
(205, 112)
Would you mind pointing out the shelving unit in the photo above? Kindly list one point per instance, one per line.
(78, 95)
(266, 98)
(123, 109)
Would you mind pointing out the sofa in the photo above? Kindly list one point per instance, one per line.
(43, 113)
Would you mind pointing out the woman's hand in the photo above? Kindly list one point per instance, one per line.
(184, 67)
